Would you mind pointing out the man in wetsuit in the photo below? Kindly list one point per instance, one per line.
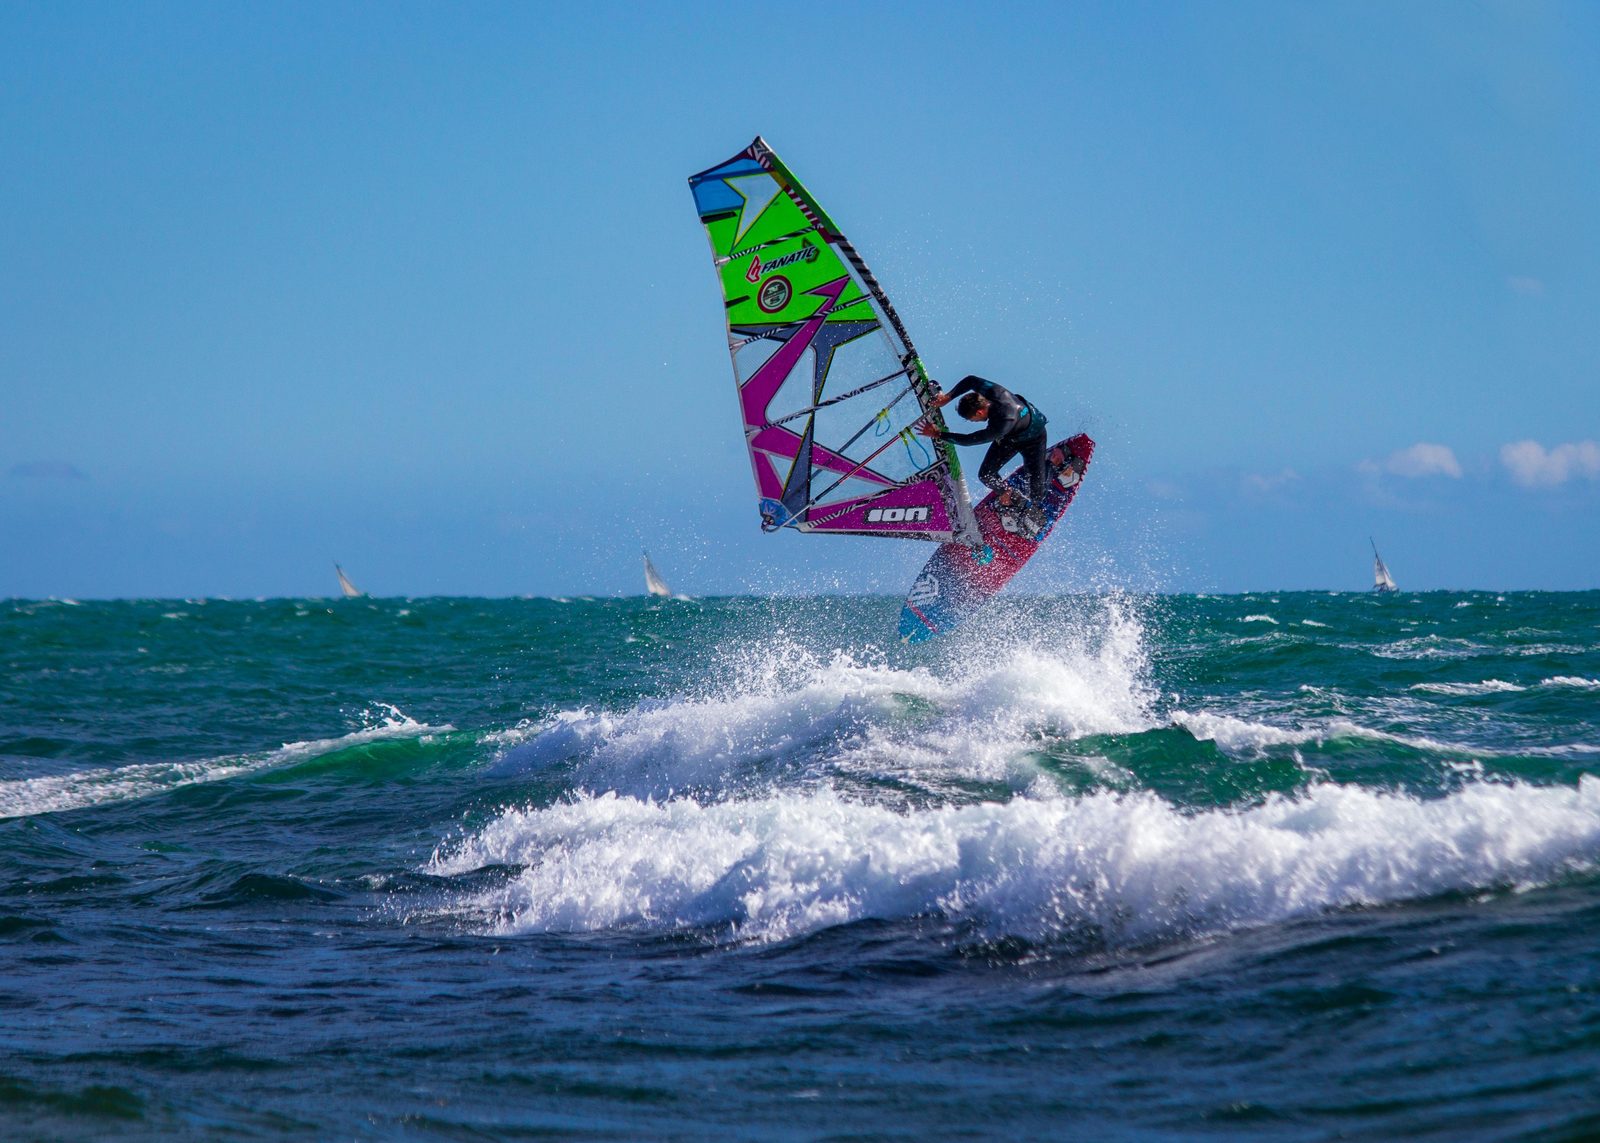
(1011, 426)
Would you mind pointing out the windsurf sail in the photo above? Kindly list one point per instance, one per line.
(1381, 579)
(653, 583)
(830, 387)
(350, 590)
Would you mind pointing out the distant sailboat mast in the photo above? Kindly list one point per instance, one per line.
(653, 583)
(1381, 579)
(350, 590)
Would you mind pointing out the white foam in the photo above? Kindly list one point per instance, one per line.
(1311, 623)
(1487, 687)
(1432, 647)
(1236, 734)
(54, 793)
(1260, 619)
(1239, 736)
(1107, 868)
(779, 708)
(1571, 681)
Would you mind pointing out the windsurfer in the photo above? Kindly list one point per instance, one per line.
(1012, 425)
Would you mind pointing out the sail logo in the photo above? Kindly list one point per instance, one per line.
(758, 268)
(924, 591)
(774, 294)
(897, 516)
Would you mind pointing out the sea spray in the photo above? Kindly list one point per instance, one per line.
(774, 710)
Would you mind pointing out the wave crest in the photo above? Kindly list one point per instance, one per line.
(1107, 869)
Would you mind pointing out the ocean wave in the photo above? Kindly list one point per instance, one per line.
(1242, 736)
(1487, 687)
(1236, 734)
(1106, 869)
(779, 708)
(1564, 750)
(1433, 647)
(25, 797)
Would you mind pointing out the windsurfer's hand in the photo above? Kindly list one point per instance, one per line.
(941, 400)
(929, 429)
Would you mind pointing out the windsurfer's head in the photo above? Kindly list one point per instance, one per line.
(973, 407)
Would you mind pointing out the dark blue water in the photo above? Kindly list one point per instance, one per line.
(1303, 866)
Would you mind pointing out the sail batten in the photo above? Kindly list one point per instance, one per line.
(813, 337)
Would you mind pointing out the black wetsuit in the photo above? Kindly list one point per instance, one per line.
(1014, 426)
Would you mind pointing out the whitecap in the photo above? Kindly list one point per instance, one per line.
(1236, 734)
(780, 708)
(1108, 869)
(1432, 647)
(1241, 736)
(25, 797)
(1487, 687)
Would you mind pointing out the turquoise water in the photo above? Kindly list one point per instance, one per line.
(1293, 866)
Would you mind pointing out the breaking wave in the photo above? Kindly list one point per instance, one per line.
(783, 713)
(1103, 870)
(23, 797)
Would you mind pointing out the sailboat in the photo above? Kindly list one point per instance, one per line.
(1382, 581)
(350, 590)
(653, 583)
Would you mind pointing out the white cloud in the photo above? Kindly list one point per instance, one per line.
(1529, 287)
(1265, 483)
(1423, 459)
(1532, 466)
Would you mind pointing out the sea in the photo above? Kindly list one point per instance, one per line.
(1293, 866)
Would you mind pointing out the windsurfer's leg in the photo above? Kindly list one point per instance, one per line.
(1036, 458)
(993, 461)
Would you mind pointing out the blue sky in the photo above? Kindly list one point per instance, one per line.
(421, 288)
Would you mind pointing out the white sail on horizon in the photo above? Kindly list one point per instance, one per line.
(350, 590)
(1381, 579)
(653, 583)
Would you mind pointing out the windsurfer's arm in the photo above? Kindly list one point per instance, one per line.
(1002, 419)
(971, 383)
(982, 436)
